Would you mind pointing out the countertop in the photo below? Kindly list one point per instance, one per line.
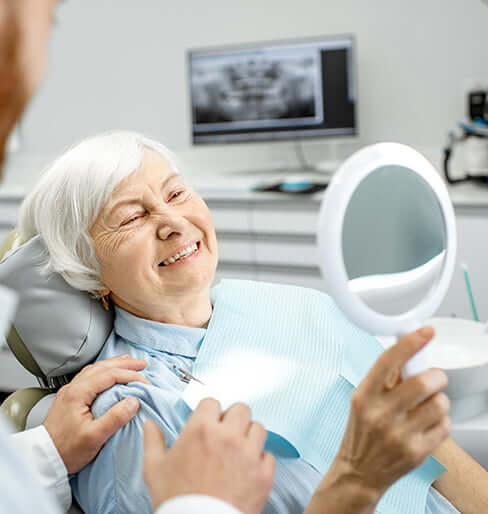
(238, 187)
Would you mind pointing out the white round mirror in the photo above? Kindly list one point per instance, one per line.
(387, 241)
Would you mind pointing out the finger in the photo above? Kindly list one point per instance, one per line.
(429, 413)
(437, 434)
(92, 385)
(154, 441)
(395, 357)
(125, 362)
(117, 357)
(207, 410)
(122, 361)
(269, 465)
(237, 418)
(415, 390)
(257, 436)
(116, 417)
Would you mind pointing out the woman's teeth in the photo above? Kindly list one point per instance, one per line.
(184, 253)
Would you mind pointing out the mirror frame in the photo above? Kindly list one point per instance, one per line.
(329, 237)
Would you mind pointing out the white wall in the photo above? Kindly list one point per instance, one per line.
(121, 64)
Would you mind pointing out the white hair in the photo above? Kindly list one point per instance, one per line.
(70, 195)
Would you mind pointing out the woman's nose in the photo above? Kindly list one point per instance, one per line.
(169, 226)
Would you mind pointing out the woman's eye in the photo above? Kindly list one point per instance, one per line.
(132, 219)
(176, 194)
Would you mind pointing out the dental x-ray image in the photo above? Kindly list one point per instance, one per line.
(273, 88)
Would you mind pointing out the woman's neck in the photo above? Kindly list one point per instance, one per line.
(191, 311)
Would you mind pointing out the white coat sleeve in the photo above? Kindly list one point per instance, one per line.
(196, 504)
(47, 464)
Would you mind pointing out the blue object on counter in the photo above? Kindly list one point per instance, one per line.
(293, 185)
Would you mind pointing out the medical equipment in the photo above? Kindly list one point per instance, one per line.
(386, 218)
(51, 351)
(8, 301)
(185, 375)
(473, 137)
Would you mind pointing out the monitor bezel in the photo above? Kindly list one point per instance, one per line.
(269, 137)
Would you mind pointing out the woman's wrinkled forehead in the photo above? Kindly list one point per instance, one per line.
(154, 174)
(154, 170)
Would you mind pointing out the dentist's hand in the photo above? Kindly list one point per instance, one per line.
(77, 436)
(216, 454)
(393, 424)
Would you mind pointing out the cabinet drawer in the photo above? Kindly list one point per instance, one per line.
(236, 250)
(286, 253)
(291, 221)
(231, 220)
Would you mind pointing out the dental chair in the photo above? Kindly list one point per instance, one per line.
(56, 331)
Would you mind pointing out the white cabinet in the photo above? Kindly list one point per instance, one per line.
(273, 238)
(235, 250)
(227, 218)
(302, 219)
(286, 252)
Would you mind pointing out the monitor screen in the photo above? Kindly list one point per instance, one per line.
(273, 91)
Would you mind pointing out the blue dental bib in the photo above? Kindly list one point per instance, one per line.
(295, 359)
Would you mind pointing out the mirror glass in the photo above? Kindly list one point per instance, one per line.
(393, 240)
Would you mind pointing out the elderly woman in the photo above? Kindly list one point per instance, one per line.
(120, 222)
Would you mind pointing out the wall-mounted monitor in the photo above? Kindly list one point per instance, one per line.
(273, 91)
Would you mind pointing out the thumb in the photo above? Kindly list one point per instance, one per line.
(116, 417)
(410, 344)
(395, 357)
(154, 441)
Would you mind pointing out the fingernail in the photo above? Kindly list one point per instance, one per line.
(132, 404)
(424, 331)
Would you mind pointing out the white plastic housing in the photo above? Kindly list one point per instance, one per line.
(329, 238)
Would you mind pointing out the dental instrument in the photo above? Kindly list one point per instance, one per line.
(185, 375)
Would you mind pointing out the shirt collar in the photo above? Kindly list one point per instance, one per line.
(175, 339)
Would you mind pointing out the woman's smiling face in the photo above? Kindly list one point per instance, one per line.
(154, 239)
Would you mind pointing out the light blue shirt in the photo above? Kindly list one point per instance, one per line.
(113, 483)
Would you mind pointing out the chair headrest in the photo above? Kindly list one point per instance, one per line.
(62, 328)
